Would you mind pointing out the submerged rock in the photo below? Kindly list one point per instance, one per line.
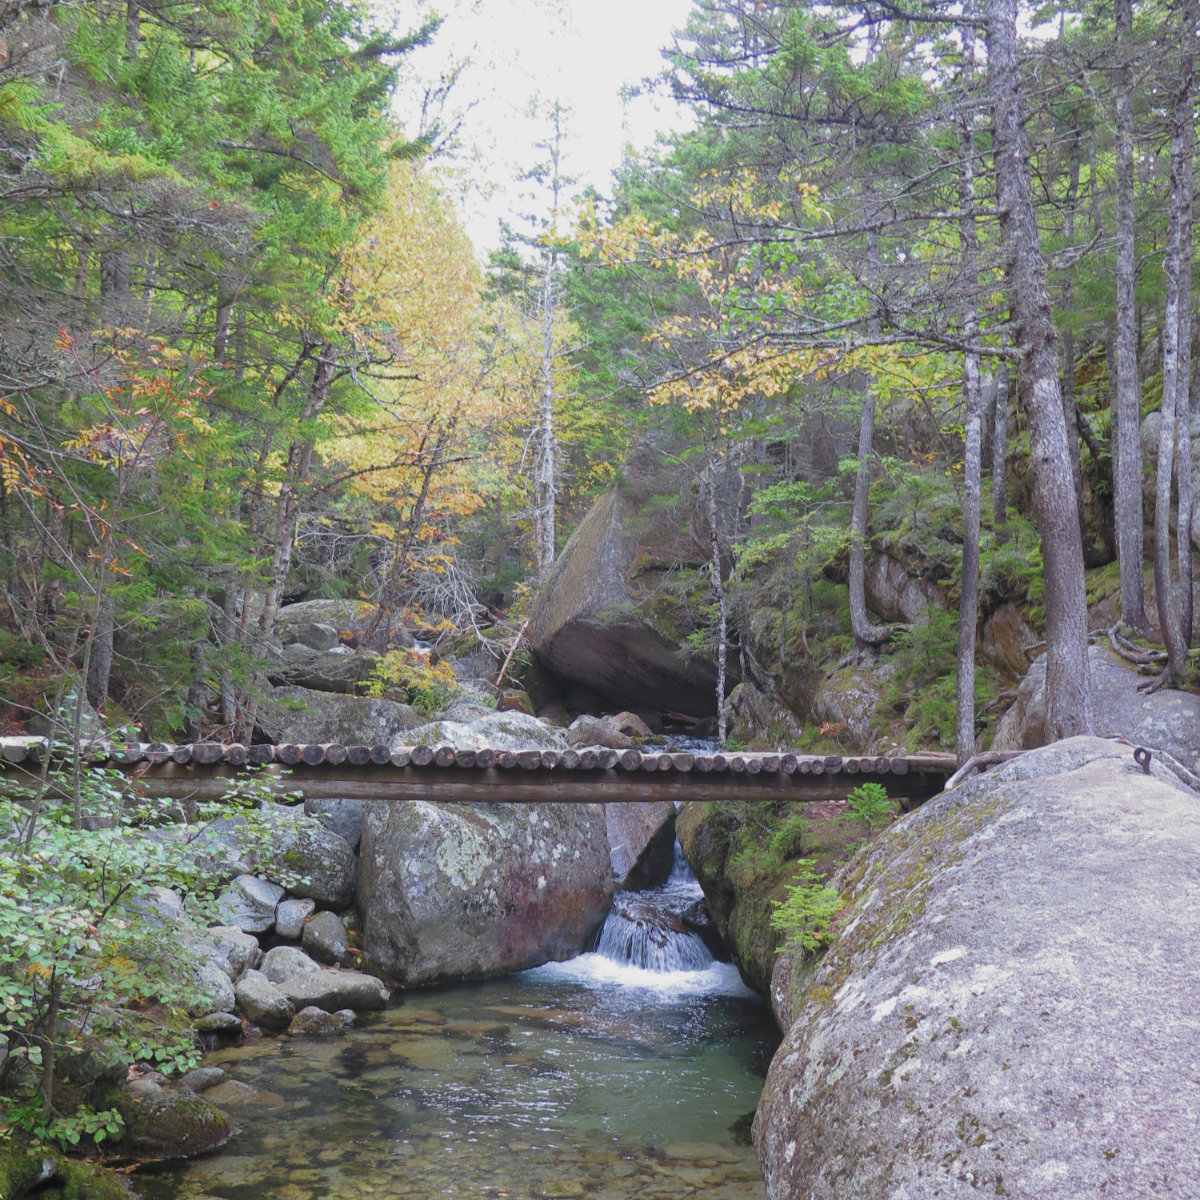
(462, 891)
(161, 1124)
(1009, 1006)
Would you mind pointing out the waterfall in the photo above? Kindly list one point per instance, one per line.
(646, 930)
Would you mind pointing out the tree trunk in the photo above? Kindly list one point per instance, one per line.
(964, 733)
(718, 586)
(1070, 409)
(1183, 460)
(1127, 482)
(1175, 322)
(545, 474)
(1000, 453)
(1067, 673)
(866, 634)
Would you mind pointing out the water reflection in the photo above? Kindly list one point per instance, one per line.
(592, 1078)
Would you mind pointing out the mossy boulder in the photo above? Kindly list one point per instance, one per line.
(1009, 1005)
(164, 1124)
(41, 1172)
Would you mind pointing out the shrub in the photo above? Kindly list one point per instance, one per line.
(805, 915)
(870, 804)
(428, 684)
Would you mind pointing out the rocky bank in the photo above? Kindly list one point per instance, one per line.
(1010, 1006)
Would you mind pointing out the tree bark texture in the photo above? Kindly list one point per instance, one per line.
(718, 586)
(545, 475)
(1174, 389)
(865, 632)
(1127, 483)
(1000, 452)
(1067, 673)
(964, 736)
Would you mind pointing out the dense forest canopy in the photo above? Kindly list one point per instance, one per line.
(248, 355)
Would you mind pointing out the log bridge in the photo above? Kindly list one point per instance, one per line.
(205, 771)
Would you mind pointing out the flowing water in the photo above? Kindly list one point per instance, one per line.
(623, 1074)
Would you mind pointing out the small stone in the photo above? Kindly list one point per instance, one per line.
(263, 1002)
(290, 916)
(325, 938)
(282, 962)
(200, 1079)
(313, 1021)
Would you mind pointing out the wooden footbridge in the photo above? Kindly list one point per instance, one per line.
(207, 770)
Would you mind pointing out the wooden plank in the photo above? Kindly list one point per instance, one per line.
(182, 754)
(358, 756)
(465, 758)
(401, 757)
(235, 754)
(444, 756)
(485, 758)
(422, 755)
(457, 786)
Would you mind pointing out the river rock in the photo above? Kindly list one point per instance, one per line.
(641, 842)
(249, 904)
(231, 949)
(325, 938)
(1009, 1005)
(600, 620)
(343, 816)
(464, 891)
(338, 670)
(161, 1124)
(495, 730)
(1167, 720)
(200, 1079)
(315, 1022)
(290, 916)
(263, 1002)
(214, 991)
(305, 715)
(332, 990)
(282, 962)
(312, 860)
(616, 731)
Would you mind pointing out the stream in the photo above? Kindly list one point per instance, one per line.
(629, 1072)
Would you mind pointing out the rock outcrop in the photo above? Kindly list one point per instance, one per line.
(1166, 720)
(304, 714)
(1009, 1006)
(452, 892)
(641, 843)
(597, 623)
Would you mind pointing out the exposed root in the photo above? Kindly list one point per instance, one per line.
(980, 762)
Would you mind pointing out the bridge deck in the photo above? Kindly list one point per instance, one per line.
(206, 770)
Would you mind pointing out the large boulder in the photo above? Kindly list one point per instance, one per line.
(305, 856)
(334, 990)
(489, 729)
(1009, 1005)
(464, 891)
(641, 842)
(600, 622)
(359, 622)
(304, 715)
(339, 669)
(895, 594)
(1165, 720)
(848, 699)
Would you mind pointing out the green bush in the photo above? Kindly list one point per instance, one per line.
(806, 913)
(869, 803)
(791, 836)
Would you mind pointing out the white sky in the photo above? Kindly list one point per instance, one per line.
(517, 52)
